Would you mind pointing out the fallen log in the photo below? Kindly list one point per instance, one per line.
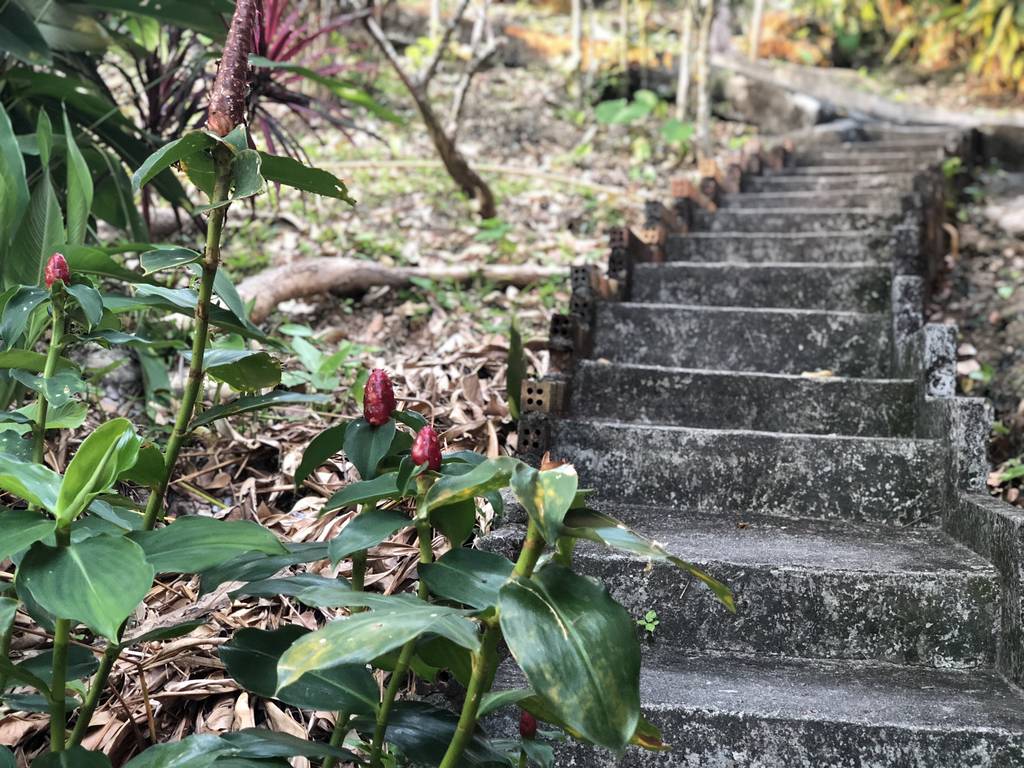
(353, 276)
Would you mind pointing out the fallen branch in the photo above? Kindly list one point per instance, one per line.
(352, 276)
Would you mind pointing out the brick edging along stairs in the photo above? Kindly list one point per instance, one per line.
(878, 587)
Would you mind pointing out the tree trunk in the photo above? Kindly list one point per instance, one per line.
(624, 47)
(435, 19)
(703, 132)
(685, 47)
(755, 29)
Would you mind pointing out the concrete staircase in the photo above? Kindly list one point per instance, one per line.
(878, 587)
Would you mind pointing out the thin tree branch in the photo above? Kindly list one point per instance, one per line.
(427, 74)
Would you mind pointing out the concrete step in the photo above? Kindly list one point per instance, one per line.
(856, 287)
(884, 199)
(804, 589)
(902, 182)
(734, 712)
(866, 156)
(727, 399)
(877, 246)
(791, 220)
(740, 339)
(884, 480)
(848, 168)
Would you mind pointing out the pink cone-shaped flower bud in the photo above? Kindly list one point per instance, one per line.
(57, 269)
(426, 449)
(378, 398)
(527, 725)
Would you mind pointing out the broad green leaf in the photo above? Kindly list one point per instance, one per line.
(32, 482)
(147, 470)
(366, 530)
(422, 732)
(108, 451)
(73, 757)
(407, 471)
(181, 301)
(167, 258)
(169, 154)
(308, 588)
(259, 743)
(292, 173)
(495, 700)
(20, 35)
(81, 663)
(467, 576)
(255, 566)
(599, 527)
(410, 418)
(94, 261)
(77, 582)
(197, 751)
(18, 310)
(363, 492)
(32, 361)
(69, 416)
(40, 233)
(15, 197)
(194, 544)
(207, 17)
(246, 179)
(6, 756)
(89, 300)
(578, 649)
(367, 445)
(251, 658)
(362, 637)
(14, 446)
(169, 632)
(546, 496)
(8, 607)
(255, 403)
(21, 675)
(243, 369)
(59, 389)
(319, 450)
(455, 521)
(20, 529)
(44, 137)
(79, 194)
(490, 475)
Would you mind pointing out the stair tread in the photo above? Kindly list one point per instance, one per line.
(668, 369)
(653, 305)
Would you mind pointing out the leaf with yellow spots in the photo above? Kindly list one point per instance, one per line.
(546, 495)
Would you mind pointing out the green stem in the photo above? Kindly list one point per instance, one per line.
(5, 649)
(58, 679)
(193, 386)
(92, 698)
(405, 657)
(337, 736)
(532, 549)
(484, 662)
(52, 356)
(522, 758)
(359, 570)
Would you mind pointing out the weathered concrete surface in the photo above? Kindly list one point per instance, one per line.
(872, 156)
(849, 169)
(893, 181)
(863, 287)
(735, 339)
(788, 220)
(886, 480)
(822, 590)
(878, 246)
(744, 400)
(842, 198)
(727, 712)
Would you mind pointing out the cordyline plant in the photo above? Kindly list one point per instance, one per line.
(84, 557)
(576, 647)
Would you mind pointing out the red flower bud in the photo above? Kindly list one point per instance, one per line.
(57, 269)
(426, 449)
(527, 725)
(378, 398)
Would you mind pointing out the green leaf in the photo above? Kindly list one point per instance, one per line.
(366, 530)
(495, 700)
(309, 589)
(81, 663)
(599, 527)
(94, 261)
(8, 607)
(490, 475)
(20, 36)
(367, 445)
(59, 389)
(362, 637)
(292, 173)
(73, 757)
(253, 566)
(422, 732)
(194, 544)
(246, 180)
(41, 232)
(578, 649)
(319, 450)
(455, 521)
(197, 751)
(17, 311)
(467, 576)
(108, 451)
(242, 369)
(207, 17)
(14, 194)
(167, 258)
(182, 301)
(89, 300)
(364, 492)
(20, 529)
(412, 419)
(79, 192)
(546, 495)
(148, 469)
(36, 484)
(255, 403)
(44, 137)
(258, 743)
(77, 582)
(6, 756)
(251, 658)
(170, 632)
(169, 154)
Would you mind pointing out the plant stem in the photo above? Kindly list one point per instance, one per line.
(532, 549)
(92, 698)
(522, 758)
(479, 681)
(52, 356)
(405, 657)
(211, 260)
(337, 736)
(58, 679)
